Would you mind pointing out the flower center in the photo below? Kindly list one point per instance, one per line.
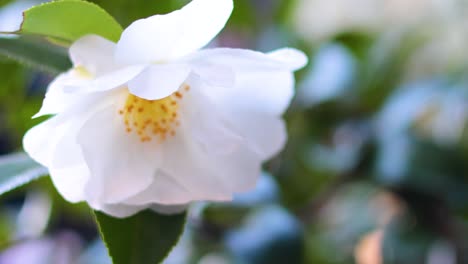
(152, 119)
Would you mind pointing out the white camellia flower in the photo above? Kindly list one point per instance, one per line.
(154, 122)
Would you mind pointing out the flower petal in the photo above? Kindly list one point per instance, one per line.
(53, 143)
(56, 99)
(216, 141)
(120, 165)
(207, 157)
(206, 160)
(70, 182)
(265, 133)
(192, 171)
(94, 53)
(248, 60)
(292, 58)
(263, 82)
(164, 37)
(163, 190)
(215, 74)
(267, 92)
(40, 144)
(240, 169)
(106, 82)
(68, 169)
(159, 81)
(185, 164)
(257, 91)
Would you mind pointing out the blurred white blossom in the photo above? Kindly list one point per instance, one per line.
(318, 19)
(334, 68)
(432, 110)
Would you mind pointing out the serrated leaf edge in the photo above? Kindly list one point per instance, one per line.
(23, 178)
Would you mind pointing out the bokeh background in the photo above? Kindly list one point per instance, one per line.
(375, 170)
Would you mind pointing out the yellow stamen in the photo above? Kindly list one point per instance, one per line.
(82, 72)
(152, 118)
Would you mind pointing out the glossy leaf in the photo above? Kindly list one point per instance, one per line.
(68, 20)
(5, 2)
(128, 11)
(146, 237)
(35, 53)
(17, 170)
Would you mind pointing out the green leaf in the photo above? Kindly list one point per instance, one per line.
(35, 53)
(17, 170)
(126, 11)
(68, 20)
(5, 2)
(146, 237)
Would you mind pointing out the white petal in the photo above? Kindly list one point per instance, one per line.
(41, 141)
(293, 58)
(215, 74)
(56, 99)
(210, 160)
(265, 133)
(187, 174)
(186, 164)
(68, 152)
(217, 142)
(68, 169)
(94, 53)
(247, 60)
(106, 82)
(40, 144)
(120, 165)
(165, 37)
(202, 21)
(164, 190)
(159, 81)
(70, 182)
(198, 169)
(268, 92)
(263, 82)
(240, 168)
(53, 143)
